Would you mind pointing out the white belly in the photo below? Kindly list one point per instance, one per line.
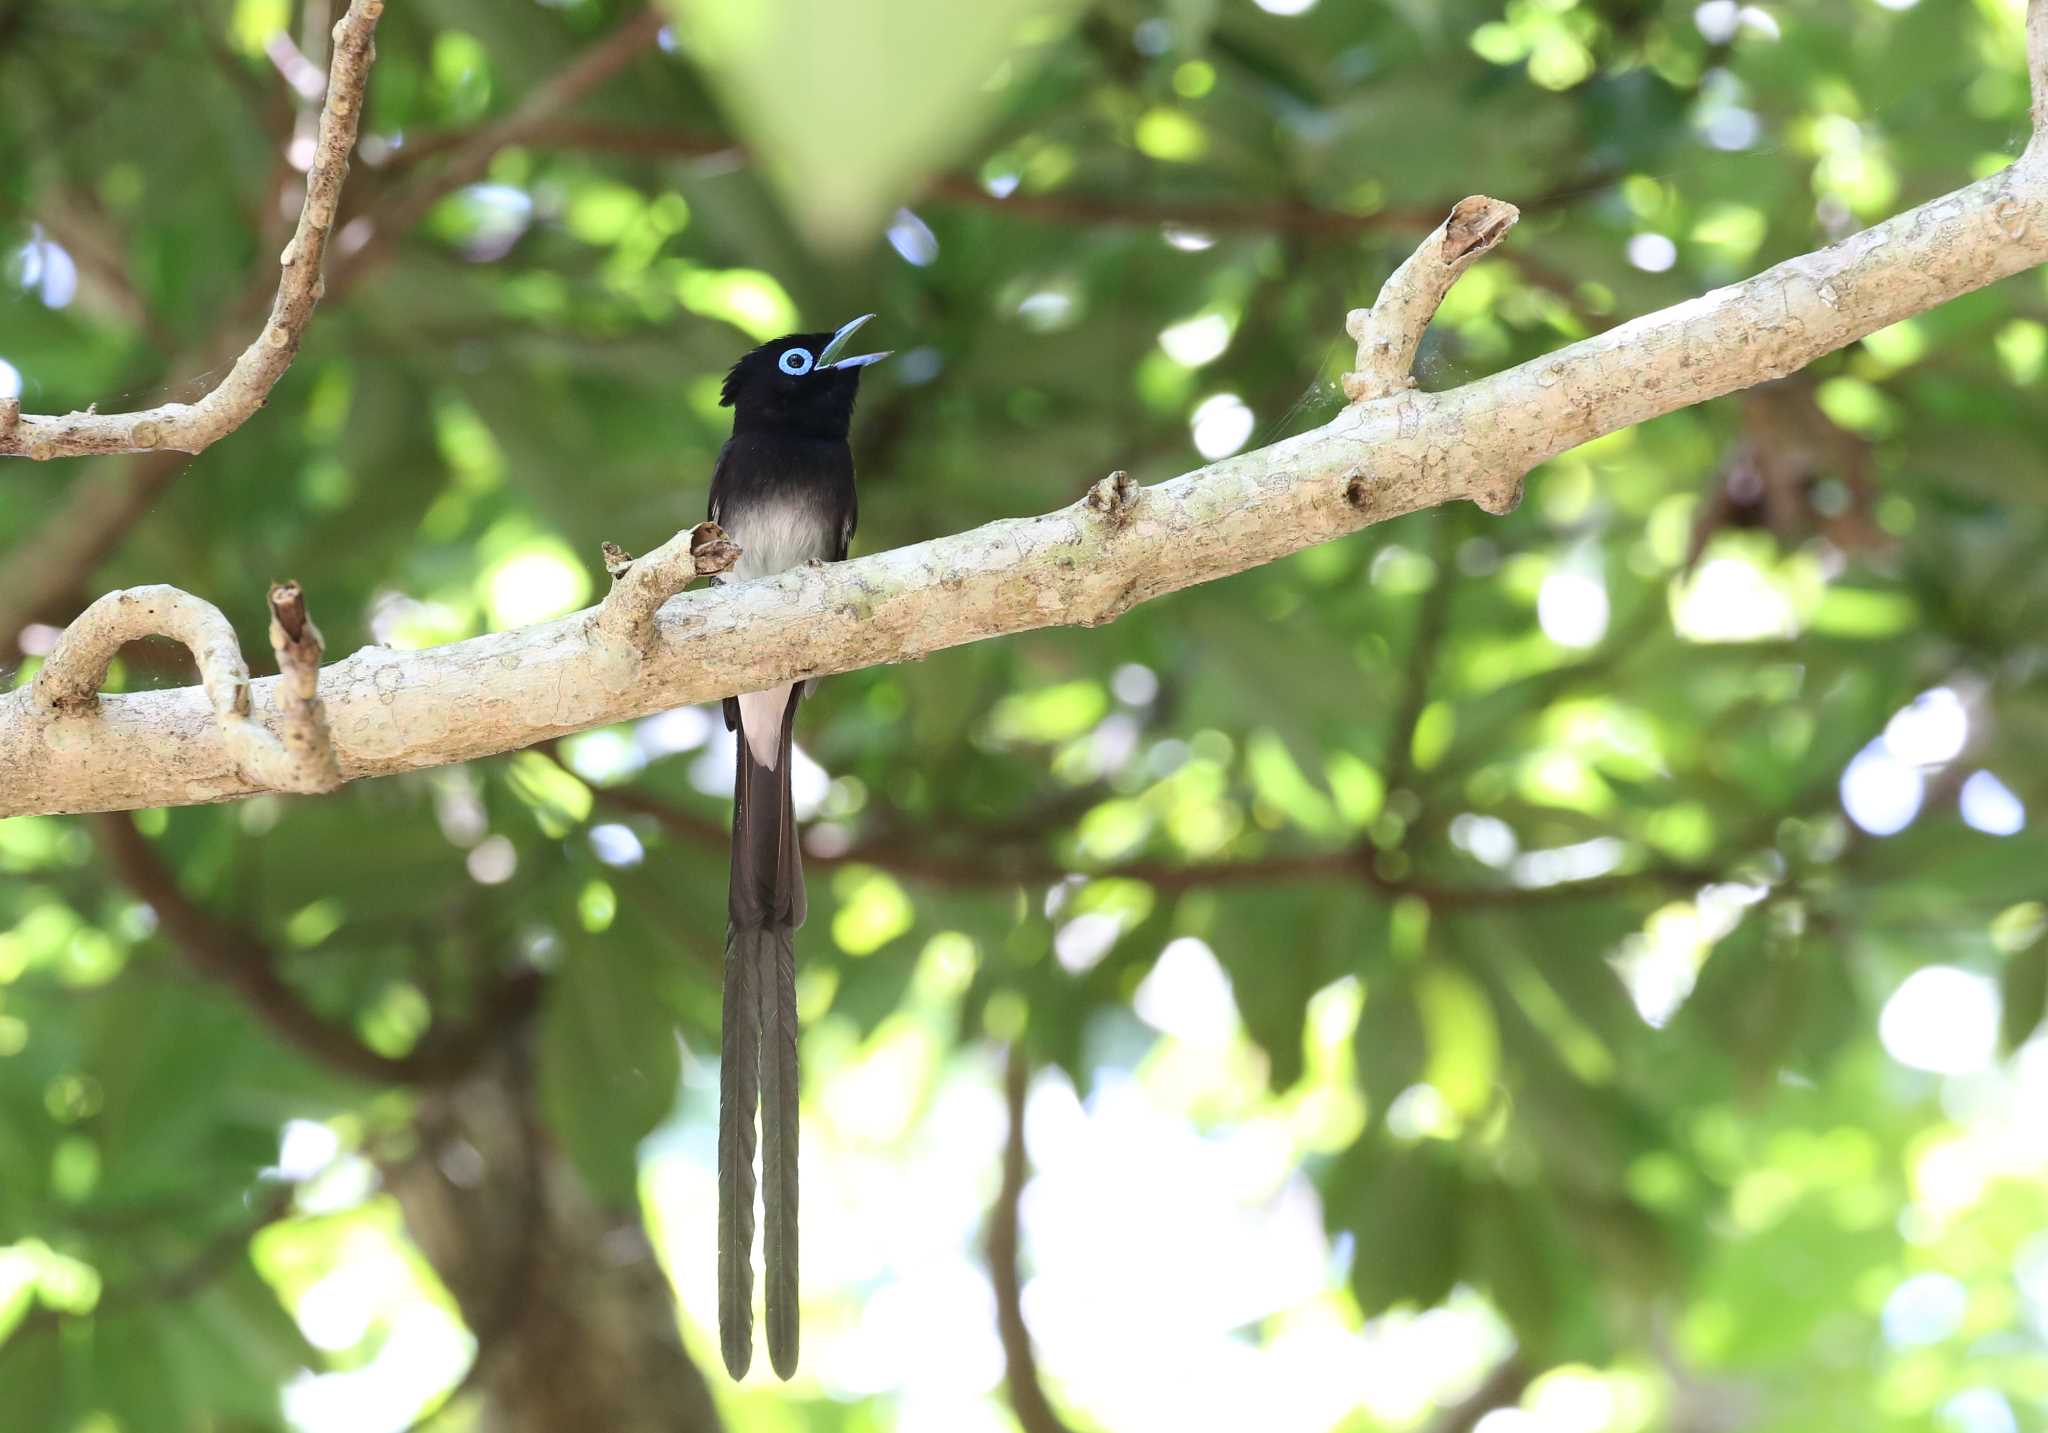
(773, 539)
(776, 538)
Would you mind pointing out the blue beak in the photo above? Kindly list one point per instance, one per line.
(828, 357)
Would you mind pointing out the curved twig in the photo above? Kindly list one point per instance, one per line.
(66, 694)
(70, 679)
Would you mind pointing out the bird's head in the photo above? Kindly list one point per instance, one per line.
(801, 381)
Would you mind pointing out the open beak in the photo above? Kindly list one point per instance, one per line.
(829, 357)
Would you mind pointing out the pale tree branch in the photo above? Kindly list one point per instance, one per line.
(193, 427)
(1081, 565)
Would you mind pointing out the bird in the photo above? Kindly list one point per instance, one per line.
(783, 492)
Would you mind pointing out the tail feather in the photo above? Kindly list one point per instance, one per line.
(778, 1146)
(766, 904)
(738, 1092)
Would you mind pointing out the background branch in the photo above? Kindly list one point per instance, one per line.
(239, 961)
(1501, 1388)
(1053, 206)
(466, 160)
(1020, 1364)
(998, 863)
(193, 427)
(169, 1286)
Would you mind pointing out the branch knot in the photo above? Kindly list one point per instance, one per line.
(641, 584)
(1114, 497)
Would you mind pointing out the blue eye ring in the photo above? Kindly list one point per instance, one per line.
(796, 362)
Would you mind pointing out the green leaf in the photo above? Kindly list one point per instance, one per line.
(2023, 992)
(1280, 946)
(1464, 1043)
(851, 106)
(1405, 1205)
(609, 1061)
(1527, 1263)
(32, 1382)
(1392, 1046)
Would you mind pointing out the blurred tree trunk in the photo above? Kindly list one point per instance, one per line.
(575, 1320)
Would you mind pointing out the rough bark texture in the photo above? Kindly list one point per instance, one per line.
(1086, 564)
(306, 753)
(574, 1319)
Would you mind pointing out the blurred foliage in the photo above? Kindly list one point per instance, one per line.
(1522, 843)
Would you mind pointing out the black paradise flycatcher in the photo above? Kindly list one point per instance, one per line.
(783, 491)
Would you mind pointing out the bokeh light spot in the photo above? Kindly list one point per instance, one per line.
(1941, 1019)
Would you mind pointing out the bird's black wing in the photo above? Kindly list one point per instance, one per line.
(849, 521)
(721, 487)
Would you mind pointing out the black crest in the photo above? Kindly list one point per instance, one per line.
(799, 381)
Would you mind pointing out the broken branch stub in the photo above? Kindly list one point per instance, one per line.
(641, 584)
(1391, 330)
